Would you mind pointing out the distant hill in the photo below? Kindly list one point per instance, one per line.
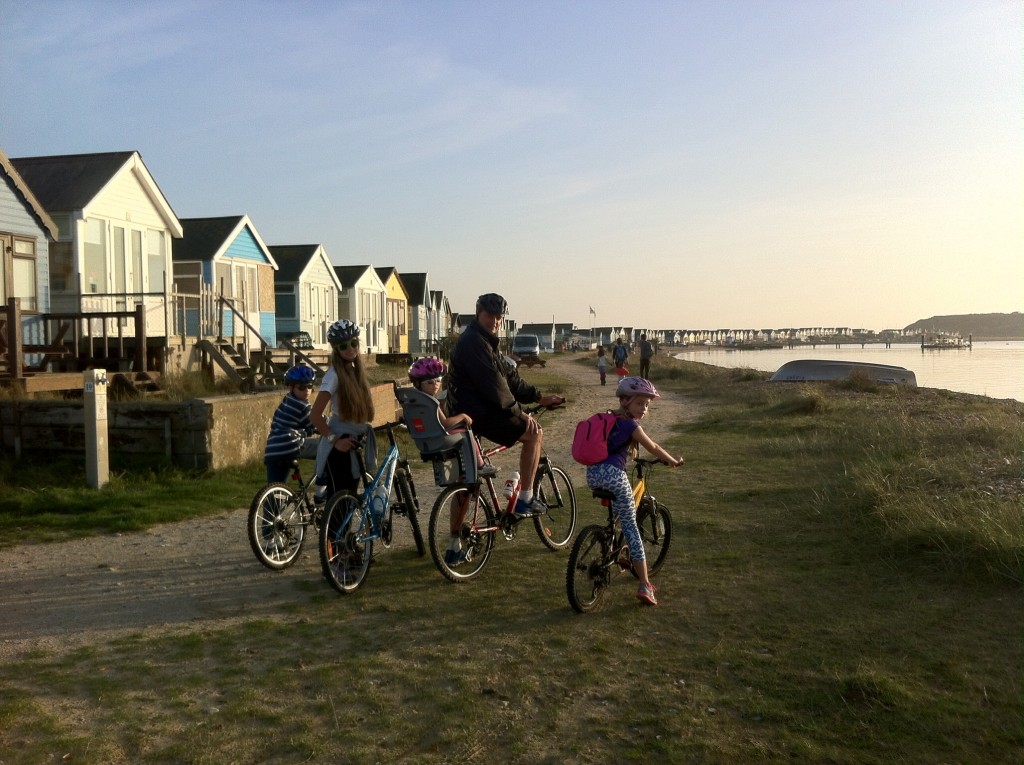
(997, 326)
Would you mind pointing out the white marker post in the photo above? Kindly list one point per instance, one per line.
(97, 460)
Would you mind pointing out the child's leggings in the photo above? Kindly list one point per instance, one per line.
(611, 478)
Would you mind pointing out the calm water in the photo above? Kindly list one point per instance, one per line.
(993, 369)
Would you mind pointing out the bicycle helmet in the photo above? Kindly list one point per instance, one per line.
(427, 368)
(300, 373)
(510, 364)
(636, 386)
(341, 331)
(492, 303)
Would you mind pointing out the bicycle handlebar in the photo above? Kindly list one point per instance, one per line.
(648, 462)
(540, 408)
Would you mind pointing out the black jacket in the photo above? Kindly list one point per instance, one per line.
(477, 381)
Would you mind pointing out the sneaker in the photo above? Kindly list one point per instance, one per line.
(536, 507)
(453, 558)
(645, 592)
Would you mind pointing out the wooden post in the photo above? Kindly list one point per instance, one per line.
(97, 456)
(139, 365)
(15, 358)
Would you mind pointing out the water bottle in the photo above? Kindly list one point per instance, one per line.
(511, 484)
(379, 500)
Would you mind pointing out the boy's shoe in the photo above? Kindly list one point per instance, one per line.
(536, 507)
(645, 593)
(453, 558)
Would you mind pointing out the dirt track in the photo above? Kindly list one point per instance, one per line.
(202, 572)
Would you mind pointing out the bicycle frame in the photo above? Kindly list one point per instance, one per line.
(543, 468)
(374, 503)
(304, 486)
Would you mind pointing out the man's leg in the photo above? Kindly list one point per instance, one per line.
(529, 457)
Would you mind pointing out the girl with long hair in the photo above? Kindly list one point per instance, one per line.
(346, 388)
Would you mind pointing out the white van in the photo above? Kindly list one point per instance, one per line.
(526, 345)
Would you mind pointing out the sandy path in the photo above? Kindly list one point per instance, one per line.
(202, 572)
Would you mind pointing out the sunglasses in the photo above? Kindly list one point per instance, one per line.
(346, 344)
(303, 386)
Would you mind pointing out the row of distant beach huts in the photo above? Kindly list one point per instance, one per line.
(92, 248)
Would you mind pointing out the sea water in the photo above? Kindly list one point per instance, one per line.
(992, 368)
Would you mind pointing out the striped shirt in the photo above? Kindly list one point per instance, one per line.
(288, 428)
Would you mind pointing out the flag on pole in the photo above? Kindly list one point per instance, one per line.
(592, 311)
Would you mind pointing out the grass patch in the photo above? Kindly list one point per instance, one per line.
(843, 587)
(50, 500)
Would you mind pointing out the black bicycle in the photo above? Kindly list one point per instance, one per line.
(279, 516)
(601, 552)
(477, 514)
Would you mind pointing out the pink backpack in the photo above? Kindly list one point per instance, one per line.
(590, 443)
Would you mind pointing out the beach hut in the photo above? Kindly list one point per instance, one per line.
(306, 289)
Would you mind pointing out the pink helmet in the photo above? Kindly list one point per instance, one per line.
(427, 368)
(636, 386)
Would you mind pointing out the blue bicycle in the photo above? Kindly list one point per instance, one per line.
(351, 524)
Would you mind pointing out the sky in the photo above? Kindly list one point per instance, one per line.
(685, 165)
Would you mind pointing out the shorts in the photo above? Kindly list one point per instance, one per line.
(502, 429)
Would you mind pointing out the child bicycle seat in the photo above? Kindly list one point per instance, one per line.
(435, 444)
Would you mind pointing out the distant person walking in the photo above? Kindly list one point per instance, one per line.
(646, 354)
(602, 364)
(619, 355)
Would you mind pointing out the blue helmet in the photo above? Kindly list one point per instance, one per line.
(341, 331)
(300, 373)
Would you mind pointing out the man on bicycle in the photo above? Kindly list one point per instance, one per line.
(480, 385)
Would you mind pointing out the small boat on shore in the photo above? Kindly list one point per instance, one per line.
(809, 370)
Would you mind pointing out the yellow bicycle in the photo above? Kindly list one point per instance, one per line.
(601, 552)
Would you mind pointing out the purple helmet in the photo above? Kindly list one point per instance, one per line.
(636, 386)
(342, 330)
(427, 368)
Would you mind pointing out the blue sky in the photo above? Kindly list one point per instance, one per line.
(672, 164)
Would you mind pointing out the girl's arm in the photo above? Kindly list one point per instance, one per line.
(461, 420)
(316, 416)
(645, 441)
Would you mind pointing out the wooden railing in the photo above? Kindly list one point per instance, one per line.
(56, 336)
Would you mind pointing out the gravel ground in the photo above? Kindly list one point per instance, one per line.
(202, 572)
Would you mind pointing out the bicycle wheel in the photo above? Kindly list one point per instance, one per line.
(407, 496)
(655, 525)
(556, 524)
(344, 557)
(476, 544)
(588, 574)
(276, 526)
